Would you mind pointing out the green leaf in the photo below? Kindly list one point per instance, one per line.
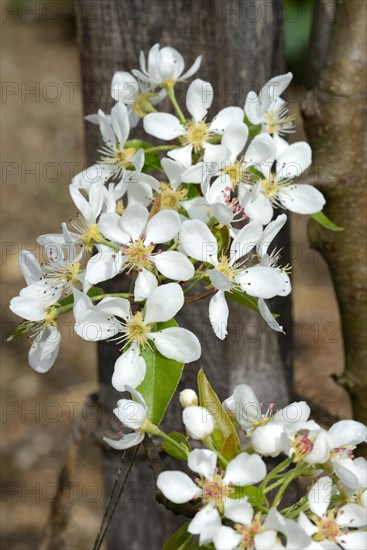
(138, 144)
(243, 299)
(179, 539)
(253, 129)
(174, 451)
(161, 379)
(221, 233)
(254, 494)
(323, 220)
(22, 328)
(210, 400)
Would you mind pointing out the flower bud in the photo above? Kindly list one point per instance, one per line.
(188, 398)
(198, 421)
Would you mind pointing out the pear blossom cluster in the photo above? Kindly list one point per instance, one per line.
(190, 218)
(190, 213)
(240, 502)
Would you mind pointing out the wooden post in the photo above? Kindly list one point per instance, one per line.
(242, 46)
(334, 112)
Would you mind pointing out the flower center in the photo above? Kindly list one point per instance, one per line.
(51, 315)
(136, 330)
(225, 268)
(248, 532)
(119, 156)
(137, 255)
(142, 106)
(235, 172)
(92, 235)
(215, 492)
(269, 188)
(302, 446)
(278, 121)
(71, 272)
(170, 199)
(328, 528)
(197, 134)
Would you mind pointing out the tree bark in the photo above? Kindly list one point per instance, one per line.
(242, 47)
(334, 113)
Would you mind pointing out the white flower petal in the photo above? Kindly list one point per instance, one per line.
(163, 227)
(347, 432)
(198, 421)
(198, 241)
(177, 343)
(354, 540)
(203, 462)
(163, 126)
(302, 199)
(245, 469)
(320, 452)
(260, 150)
(145, 283)
(130, 413)
(239, 512)
(110, 227)
(252, 108)
(27, 308)
(352, 515)
(226, 538)
(134, 220)
(294, 160)
(177, 487)
(235, 138)
(267, 316)
(181, 155)
(218, 279)
(174, 265)
(29, 267)
(120, 123)
(205, 524)
(319, 495)
(353, 474)
(199, 98)
(104, 266)
(124, 87)
(44, 349)
(245, 240)
(266, 440)
(292, 415)
(259, 209)
(120, 307)
(224, 118)
(163, 303)
(269, 233)
(130, 369)
(126, 442)
(218, 314)
(261, 282)
(193, 69)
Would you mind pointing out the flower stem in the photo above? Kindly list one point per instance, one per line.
(171, 95)
(160, 148)
(109, 243)
(153, 429)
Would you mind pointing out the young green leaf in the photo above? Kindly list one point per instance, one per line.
(179, 539)
(174, 451)
(243, 299)
(210, 400)
(323, 220)
(161, 379)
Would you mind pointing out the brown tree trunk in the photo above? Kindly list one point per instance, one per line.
(334, 112)
(242, 47)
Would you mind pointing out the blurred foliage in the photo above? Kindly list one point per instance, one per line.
(297, 28)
